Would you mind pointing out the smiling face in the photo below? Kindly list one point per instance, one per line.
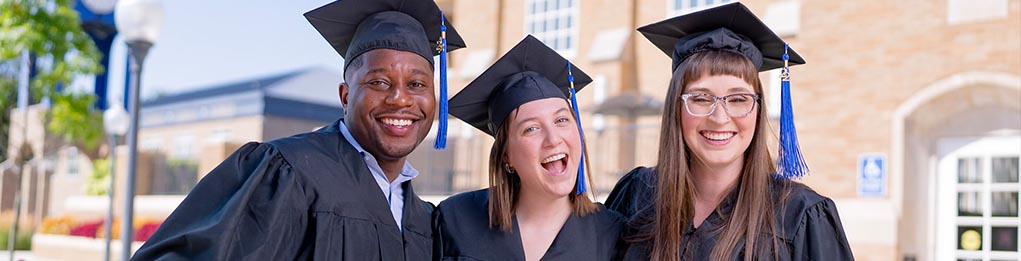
(388, 102)
(544, 147)
(719, 139)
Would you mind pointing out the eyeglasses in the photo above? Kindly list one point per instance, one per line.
(703, 104)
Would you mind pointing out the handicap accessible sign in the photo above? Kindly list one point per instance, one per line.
(872, 175)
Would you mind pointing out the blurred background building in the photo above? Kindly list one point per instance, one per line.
(183, 136)
(908, 112)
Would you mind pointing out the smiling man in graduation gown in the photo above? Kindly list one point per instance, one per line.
(341, 192)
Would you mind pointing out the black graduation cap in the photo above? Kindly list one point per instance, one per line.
(529, 71)
(730, 27)
(354, 27)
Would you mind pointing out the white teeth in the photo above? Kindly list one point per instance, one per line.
(553, 158)
(397, 122)
(718, 135)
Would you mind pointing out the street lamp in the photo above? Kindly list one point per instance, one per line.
(139, 23)
(115, 123)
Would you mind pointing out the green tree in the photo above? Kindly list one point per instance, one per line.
(51, 31)
(7, 99)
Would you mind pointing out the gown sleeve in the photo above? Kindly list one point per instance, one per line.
(634, 191)
(251, 206)
(821, 235)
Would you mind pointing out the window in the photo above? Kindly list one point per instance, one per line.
(554, 22)
(72, 161)
(151, 144)
(184, 146)
(679, 7)
(219, 135)
(980, 198)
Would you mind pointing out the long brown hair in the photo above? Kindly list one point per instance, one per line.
(753, 210)
(505, 186)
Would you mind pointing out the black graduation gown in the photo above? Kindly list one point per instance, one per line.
(462, 227)
(808, 223)
(309, 196)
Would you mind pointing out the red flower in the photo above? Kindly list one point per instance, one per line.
(87, 229)
(143, 233)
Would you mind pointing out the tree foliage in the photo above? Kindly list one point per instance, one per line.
(51, 31)
(98, 183)
(67, 119)
(7, 99)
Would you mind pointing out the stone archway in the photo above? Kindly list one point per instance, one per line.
(971, 104)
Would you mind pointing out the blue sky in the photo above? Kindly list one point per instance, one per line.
(204, 43)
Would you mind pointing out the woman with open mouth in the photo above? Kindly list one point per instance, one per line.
(715, 193)
(536, 207)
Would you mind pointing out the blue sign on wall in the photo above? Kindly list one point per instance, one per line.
(872, 175)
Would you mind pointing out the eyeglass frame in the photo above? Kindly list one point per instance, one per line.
(716, 100)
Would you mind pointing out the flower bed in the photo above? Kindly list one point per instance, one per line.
(69, 226)
(68, 238)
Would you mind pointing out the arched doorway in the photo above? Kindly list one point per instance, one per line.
(978, 111)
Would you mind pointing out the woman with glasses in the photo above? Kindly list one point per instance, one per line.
(536, 206)
(715, 193)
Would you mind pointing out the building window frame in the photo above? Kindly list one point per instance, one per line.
(564, 18)
(184, 146)
(680, 7)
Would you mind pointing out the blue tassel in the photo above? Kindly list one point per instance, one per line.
(441, 137)
(581, 188)
(790, 163)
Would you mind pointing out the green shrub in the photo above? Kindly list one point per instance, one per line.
(99, 182)
(22, 242)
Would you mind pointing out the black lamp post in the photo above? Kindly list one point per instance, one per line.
(139, 22)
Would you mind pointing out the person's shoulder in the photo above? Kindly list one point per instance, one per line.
(318, 139)
(644, 175)
(633, 192)
(606, 216)
(249, 157)
(798, 203)
(639, 179)
(313, 151)
(465, 200)
(464, 214)
(797, 196)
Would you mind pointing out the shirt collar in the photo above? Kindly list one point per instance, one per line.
(407, 172)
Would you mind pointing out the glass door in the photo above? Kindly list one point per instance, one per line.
(977, 199)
